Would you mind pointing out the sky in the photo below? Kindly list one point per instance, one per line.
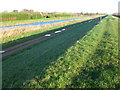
(74, 6)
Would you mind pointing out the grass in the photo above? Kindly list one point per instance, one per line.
(20, 35)
(91, 62)
(25, 64)
(18, 22)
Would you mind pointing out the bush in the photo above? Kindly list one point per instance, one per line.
(14, 16)
(36, 16)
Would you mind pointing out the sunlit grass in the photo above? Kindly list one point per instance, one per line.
(91, 63)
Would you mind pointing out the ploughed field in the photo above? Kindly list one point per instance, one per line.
(84, 57)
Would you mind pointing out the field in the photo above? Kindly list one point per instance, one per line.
(17, 35)
(12, 16)
(18, 22)
(92, 62)
(83, 57)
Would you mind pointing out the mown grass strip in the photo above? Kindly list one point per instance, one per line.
(102, 67)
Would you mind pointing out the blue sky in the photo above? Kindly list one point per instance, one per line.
(101, 6)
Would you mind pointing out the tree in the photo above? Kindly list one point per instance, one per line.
(81, 13)
(16, 11)
(97, 13)
(25, 10)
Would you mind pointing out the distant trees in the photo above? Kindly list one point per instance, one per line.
(27, 11)
(81, 13)
(25, 14)
(92, 13)
(31, 14)
(36, 16)
(15, 11)
(14, 16)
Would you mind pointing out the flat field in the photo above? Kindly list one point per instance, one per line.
(83, 57)
(17, 35)
(18, 22)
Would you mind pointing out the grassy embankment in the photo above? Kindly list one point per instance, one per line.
(22, 34)
(25, 64)
(91, 62)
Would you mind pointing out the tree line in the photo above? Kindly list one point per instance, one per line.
(26, 14)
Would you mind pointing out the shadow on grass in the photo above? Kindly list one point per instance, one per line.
(27, 63)
(101, 76)
(100, 70)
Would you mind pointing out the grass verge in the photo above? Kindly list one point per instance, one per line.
(91, 63)
(25, 64)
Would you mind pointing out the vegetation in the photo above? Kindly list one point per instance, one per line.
(18, 22)
(57, 15)
(91, 62)
(20, 35)
(36, 16)
(25, 64)
(26, 14)
(14, 16)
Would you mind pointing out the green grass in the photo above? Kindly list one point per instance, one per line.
(18, 22)
(19, 35)
(25, 16)
(91, 62)
(25, 64)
